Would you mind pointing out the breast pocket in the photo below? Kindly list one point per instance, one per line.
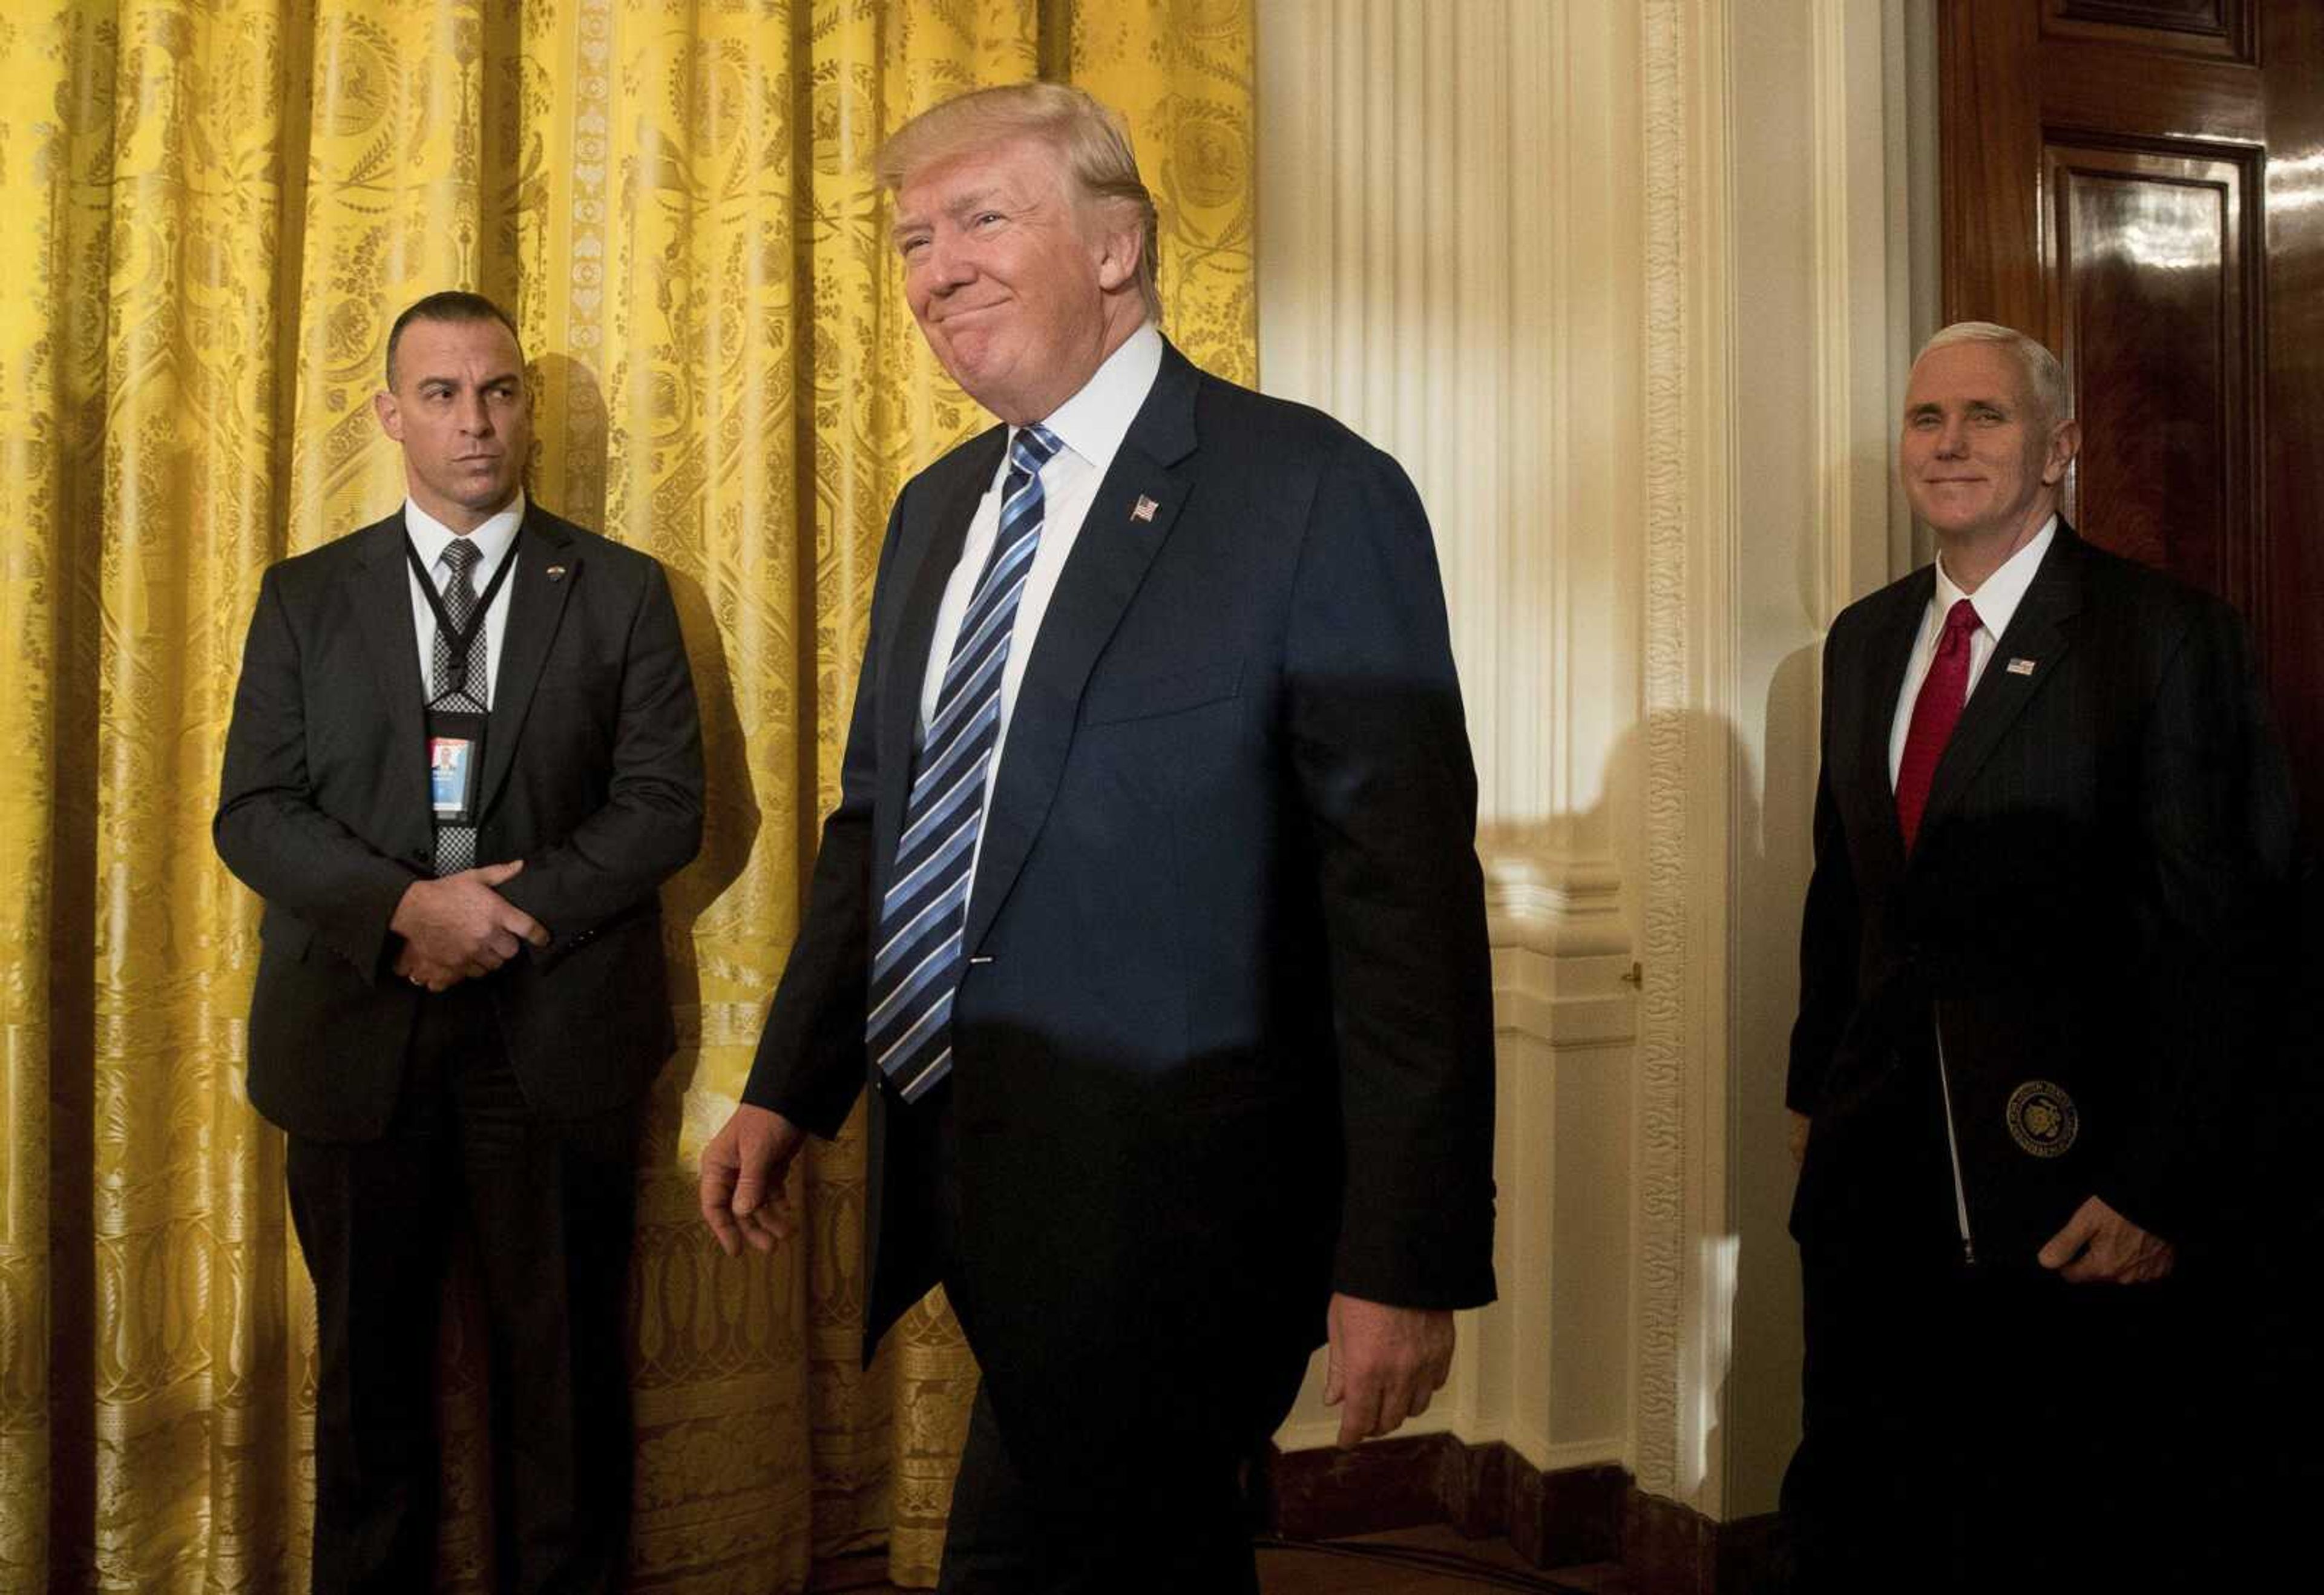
(1152, 697)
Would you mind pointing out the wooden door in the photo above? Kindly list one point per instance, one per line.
(2140, 183)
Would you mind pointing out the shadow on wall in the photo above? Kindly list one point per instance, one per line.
(1774, 819)
(731, 815)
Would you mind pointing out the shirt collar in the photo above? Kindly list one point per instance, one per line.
(432, 537)
(1093, 421)
(1996, 601)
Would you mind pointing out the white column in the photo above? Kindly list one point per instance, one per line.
(1621, 282)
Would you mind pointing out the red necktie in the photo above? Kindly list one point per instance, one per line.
(1942, 693)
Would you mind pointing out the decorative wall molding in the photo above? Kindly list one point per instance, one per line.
(1679, 1343)
(1662, 1063)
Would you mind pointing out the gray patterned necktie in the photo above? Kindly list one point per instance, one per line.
(463, 690)
(917, 968)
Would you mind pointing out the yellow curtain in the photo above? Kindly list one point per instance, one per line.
(209, 210)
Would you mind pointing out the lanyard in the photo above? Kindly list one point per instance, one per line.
(459, 638)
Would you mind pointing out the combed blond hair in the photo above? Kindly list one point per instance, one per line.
(1092, 142)
(2045, 379)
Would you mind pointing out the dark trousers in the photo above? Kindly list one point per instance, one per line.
(550, 1208)
(1178, 1529)
(1170, 1521)
(1968, 1431)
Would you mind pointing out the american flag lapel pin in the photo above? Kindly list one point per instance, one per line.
(1144, 509)
(2021, 667)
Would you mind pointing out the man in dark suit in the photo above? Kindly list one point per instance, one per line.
(464, 757)
(1150, 907)
(2049, 824)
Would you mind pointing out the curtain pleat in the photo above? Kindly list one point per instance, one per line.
(210, 210)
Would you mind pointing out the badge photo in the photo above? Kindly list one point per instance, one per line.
(456, 762)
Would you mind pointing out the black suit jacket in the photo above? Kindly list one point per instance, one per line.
(2104, 838)
(593, 777)
(1224, 1042)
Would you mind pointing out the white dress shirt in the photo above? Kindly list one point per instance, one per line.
(494, 540)
(1996, 602)
(1091, 425)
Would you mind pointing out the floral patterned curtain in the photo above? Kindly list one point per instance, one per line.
(210, 212)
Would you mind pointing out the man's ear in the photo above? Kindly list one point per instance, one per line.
(2065, 443)
(391, 414)
(1119, 251)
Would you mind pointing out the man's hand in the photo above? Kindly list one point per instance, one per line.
(462, 926)
(1383, 1364)
(1797, 1133)
(744, 1165)
(410, 966)
(2098, 1245)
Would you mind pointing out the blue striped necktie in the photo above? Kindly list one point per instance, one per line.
(916, 968)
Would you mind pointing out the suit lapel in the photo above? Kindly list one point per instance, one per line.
(379, 592)
(1892, 657)
(903, 663)
(547, 568)
(1127, 522)
(2037, 632)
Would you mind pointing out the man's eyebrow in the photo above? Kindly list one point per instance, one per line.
(1930, 405)
(974, 199)
(449, 381)
(960, 205)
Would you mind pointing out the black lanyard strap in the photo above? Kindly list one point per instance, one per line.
(459, 638)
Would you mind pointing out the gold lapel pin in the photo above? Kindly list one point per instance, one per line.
(2021, 667)
(557, 573)
(1144, 510)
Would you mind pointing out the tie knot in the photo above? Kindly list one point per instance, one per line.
(460, 554)
(1034, 447)
(1961, 620)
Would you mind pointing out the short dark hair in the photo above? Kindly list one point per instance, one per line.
(453, 305)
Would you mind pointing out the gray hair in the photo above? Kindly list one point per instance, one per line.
(2045, 378)
(1092, 140)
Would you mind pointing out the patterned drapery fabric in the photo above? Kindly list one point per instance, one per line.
(209, 211)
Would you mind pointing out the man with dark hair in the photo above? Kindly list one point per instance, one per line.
(463, 759)
(1151, 908)
(2051, 833)
(446, 307)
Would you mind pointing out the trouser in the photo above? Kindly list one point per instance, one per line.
(1169, 1521)
(550, 1209)
(1975, 1432)
(1177, 1527)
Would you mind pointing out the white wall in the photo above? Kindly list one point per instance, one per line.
(1625, 285)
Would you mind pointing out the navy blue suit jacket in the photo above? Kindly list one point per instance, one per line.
(1225, 1044)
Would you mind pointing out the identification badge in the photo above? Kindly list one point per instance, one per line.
(456, 762)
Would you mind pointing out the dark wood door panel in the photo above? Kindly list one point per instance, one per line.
(2196, 27)
(2141, 182)
(2114, 88)
(2152, 310)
